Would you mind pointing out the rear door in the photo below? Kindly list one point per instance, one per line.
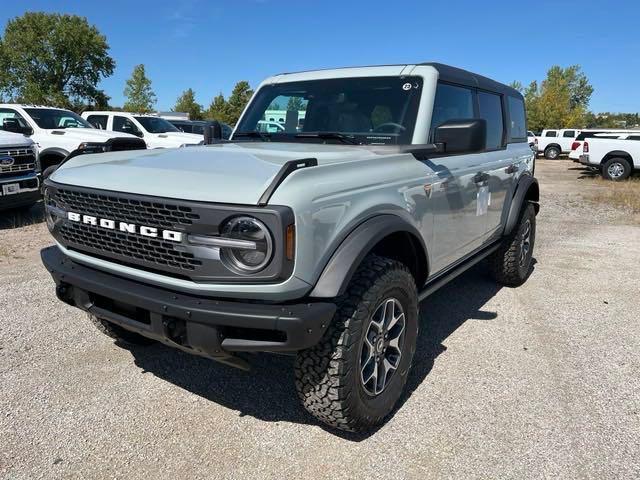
(566, 139)
(499, 163)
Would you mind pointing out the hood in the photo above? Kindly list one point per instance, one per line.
(223, 173)
(87, 134)
(10, 139)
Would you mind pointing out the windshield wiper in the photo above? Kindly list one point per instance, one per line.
(349, 139)
(253, 134)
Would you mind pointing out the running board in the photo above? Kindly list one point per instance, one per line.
(456, 270)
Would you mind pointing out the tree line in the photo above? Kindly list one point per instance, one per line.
(59, 60)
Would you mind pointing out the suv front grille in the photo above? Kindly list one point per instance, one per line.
(148, 250)
(135, 248)
(154, 214)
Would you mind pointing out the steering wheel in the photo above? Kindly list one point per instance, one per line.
(381, 128)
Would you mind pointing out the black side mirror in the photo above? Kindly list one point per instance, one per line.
(462, 136)
(213, 133)
(12, 125)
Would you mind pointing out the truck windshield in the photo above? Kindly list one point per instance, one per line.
(372, 110)
(51, 118)
(156, 125)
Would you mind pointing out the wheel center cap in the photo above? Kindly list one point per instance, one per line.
(380, 345)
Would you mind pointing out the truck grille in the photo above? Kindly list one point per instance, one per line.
(158, 254)
(153, 253)
(153, 214)
(149, 250)
(24, 160)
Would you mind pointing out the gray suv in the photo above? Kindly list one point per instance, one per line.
(318, 239)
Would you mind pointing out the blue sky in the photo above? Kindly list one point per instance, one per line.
(209, 45)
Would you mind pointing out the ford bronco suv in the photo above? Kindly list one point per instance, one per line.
(319, 240)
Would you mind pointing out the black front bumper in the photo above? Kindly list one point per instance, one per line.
(199, 325)
(28, 194)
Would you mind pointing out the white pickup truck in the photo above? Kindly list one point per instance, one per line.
(615, 158)
(553, 143)
(56, 132)
(154, 130)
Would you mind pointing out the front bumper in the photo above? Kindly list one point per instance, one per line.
(200, 325)
(27, 191)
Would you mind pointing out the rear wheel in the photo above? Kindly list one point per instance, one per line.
(551, 153)
(118, 333)
(616, 169)
(355, 375)
(511, 263)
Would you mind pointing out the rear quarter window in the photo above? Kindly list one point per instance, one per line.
(517, 120)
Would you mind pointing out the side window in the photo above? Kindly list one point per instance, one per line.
(517, 120)
(491, 111)
(551, 133)
(569, 134)
(98, 121)
(451, 103)
(123, 124)
(633, 137)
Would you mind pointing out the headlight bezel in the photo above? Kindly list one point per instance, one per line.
(230, 255)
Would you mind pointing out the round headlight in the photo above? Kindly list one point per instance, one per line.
(247, 259)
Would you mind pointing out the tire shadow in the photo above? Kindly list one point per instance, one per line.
(267, 392)
(21, 217)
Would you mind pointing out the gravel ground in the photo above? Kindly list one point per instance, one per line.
(539, 381)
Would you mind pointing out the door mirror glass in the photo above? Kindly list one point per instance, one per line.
(462, 136)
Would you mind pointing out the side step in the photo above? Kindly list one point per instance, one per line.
(448, 275)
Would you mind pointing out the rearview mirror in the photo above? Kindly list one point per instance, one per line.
(462, 136)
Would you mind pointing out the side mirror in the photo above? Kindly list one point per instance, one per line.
(213, 133)
(462, 136)
(12, 125)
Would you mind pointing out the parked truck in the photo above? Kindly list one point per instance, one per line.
(318, 240)
(615, 158)
(552, 143)
(19, 171)
(55, 131)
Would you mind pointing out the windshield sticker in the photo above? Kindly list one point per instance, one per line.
(406, 86)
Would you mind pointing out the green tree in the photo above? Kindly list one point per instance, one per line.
(140, 96)
(53, 59)
(187, 103)
(295, 104)
(219, 109)
(560, 101)
(238, 99)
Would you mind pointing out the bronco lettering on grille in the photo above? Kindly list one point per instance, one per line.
(125, 227)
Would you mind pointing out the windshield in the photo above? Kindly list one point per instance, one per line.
(156, 125)
(50, 118)
(372, 110)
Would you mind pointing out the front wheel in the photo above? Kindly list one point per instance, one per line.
(511, 263)
(355, 375)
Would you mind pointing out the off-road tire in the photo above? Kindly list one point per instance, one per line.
(623, 162)
(552, 153)
(118, 333)
(328, 377)
(505, 265)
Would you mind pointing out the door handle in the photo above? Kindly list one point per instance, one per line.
(513, 168)
(481, 177)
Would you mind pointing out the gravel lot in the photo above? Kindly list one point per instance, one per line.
(539, 381)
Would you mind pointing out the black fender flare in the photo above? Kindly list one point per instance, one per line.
(619, 154)
(54, 150)
(527, 189)
(340, 268)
